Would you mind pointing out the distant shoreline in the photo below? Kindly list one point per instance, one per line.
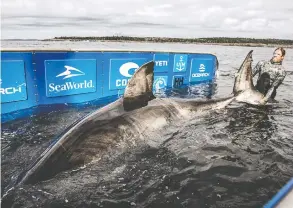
(226, 41)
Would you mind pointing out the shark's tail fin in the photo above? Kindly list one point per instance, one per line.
(243, 78)
(139, 89)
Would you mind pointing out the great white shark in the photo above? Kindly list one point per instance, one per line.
(136, 114)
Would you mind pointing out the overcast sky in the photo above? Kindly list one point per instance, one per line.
(172, 18)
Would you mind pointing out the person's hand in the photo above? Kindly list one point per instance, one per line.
(263, 101)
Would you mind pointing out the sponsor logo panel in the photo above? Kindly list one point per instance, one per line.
(121, 70)
(161, 62)
(70, 77)
(201, 70)
(13, 85)
(180, 63)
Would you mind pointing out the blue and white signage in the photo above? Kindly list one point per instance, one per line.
(201, 70)
(70, 77)
(121, 70)
(178, 80)
(161, 62)
(180, 63)
(13, 81)
(160, 83)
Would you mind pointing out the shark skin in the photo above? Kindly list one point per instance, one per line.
(244, 89)
(135, 116)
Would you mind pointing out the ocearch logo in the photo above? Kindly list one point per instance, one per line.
(202, 73)
(11, 90)
(124, 70)
(202, 68)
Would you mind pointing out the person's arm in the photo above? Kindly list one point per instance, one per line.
(257, 68)
(274, 86)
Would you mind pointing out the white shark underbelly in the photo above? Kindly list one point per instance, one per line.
(250, 96)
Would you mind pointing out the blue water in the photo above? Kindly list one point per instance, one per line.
(235, 157)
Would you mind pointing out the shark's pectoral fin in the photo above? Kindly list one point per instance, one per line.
(139, 89)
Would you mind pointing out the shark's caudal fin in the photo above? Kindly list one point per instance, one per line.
(139, 89)
(243, 78)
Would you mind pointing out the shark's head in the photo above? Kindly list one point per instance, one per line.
(243, 89)
(243, 78)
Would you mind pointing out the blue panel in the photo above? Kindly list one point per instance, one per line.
(115, 81)
(69, 77)
(201, 69)
(180, 62)
(13, 82)
(161, 62)
(179, 81)
(17, 76)
(160, 82)
(121, 70)
(44, 78)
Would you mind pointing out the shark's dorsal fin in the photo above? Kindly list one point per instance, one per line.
(139, 89)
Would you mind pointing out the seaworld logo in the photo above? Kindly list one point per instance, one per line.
(86, 84)
(70, 72)
(70, 77)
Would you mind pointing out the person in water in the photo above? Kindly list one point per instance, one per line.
(270, 75)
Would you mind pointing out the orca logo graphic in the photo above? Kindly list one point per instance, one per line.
(69, 72)
(124, 69)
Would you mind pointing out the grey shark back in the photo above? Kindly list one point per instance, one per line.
(85, 139)
(135, 115)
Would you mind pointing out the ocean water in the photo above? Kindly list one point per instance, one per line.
(235, 157)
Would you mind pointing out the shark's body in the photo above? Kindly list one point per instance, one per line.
(244, 90)
(137, 115)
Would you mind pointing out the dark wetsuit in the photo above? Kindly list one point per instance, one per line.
(271, 75)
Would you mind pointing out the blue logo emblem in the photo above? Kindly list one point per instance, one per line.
(70, 77)
(121, 70)
(12, 81)
(161, 62)
(180, 63)
(160, 83)
(201, 70)
(178, 80)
